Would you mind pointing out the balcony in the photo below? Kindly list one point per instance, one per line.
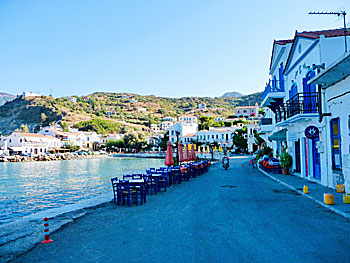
(272, 95)
(301, 103)
(265, 125)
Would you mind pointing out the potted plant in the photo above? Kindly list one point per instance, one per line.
(286, 162)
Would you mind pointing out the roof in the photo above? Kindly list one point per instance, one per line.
(279, 42)
(189, 135)
(327, 33)
(28, 134)
(246, 107)
(316, 35)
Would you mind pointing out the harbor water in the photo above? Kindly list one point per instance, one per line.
(32, 187)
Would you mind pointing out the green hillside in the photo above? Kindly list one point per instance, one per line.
(120, 109)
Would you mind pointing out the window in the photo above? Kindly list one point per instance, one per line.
(222, 136)
(335, 144)
(217, 136)
(20, 140)
(212, 136)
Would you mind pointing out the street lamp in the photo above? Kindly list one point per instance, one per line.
(212, 151)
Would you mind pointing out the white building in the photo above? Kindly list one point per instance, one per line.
(171, 119)
(36, 144)
(165, 125)
(27, 94)
(182, 129)
(66, 138)
(91, 140)
(219, 119)
(202, 106)
(155, 128)
(251, 129)
(334, 118)
(188, 138)
(72, 99)
(247, 110)
(110, 137)
(293, 101)
(188, 119)
(223, 136)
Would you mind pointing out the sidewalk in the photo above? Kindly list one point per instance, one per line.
(316, 192)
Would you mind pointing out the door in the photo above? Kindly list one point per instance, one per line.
(297, 156)
(316, 160)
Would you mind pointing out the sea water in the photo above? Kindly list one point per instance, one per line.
(32, 187)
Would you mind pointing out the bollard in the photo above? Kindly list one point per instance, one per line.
(305, 189)
(46, 232)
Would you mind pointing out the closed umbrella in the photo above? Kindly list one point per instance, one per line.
(181, 155)
(187, 153)
(169, 159)
(193, 154)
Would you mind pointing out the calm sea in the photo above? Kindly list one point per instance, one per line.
(28, 188)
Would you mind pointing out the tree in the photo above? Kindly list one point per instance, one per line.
(258, 140)
(239, 141)
(65, 126)
(24, 128)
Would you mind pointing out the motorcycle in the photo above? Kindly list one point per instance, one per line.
(225, 163)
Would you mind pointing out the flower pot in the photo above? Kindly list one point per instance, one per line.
(285, 171)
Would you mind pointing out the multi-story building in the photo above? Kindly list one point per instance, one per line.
(246, 111)
(293, 102)
(182, 129)
(188, 119)
(33, 143)
(165, 125)
(334, 118)
(222, 136)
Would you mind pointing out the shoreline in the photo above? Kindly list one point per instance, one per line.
(48, 158)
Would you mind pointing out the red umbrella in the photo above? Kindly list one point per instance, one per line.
(187, 153)
(193, 153)
(169, 160)
(180, 150)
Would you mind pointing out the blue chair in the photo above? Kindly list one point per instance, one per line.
(128, 177)
(163, 181)
(115, 187)
(126, 193)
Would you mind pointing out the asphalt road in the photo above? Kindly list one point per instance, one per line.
(238, 215)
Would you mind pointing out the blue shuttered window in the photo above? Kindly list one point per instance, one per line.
(335, 144)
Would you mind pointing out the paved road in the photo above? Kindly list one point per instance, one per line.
(238, 215)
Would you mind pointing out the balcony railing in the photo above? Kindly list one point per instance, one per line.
(272, 86)
(301, 103)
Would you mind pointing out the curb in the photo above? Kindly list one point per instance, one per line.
(334, 210)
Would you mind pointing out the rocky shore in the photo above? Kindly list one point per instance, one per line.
(43, 158)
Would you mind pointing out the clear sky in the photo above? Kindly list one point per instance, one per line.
(166, 48)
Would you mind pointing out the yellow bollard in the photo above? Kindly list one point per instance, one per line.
(346, 198)
(340, 188)
(328, 199)
(305, 189)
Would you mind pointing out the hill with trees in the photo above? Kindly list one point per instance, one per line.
(112, 112)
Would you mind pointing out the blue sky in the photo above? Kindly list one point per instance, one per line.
(166, 48)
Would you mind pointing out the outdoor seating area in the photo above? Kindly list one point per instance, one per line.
(268, 164)
(134, 188)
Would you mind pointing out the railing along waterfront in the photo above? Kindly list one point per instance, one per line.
(301, 103)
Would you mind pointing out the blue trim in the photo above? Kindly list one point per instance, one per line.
(289, 69)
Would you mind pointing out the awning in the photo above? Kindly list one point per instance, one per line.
(279, 135)
(17, 149)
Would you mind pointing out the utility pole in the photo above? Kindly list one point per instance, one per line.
(340, 13)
